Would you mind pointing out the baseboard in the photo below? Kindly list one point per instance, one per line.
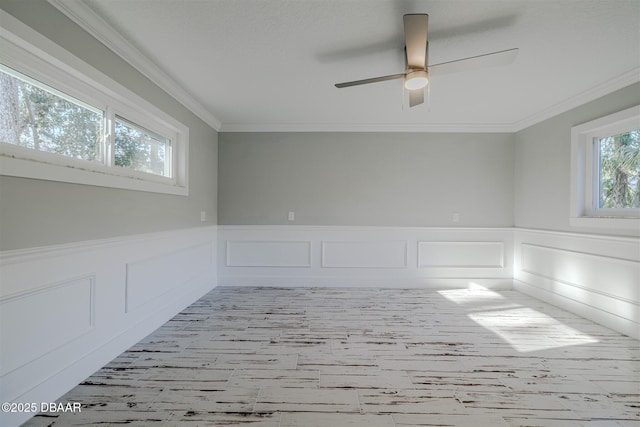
(366, 282)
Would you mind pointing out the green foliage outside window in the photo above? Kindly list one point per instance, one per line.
(620, 171)
(139, 149)
(35, 118)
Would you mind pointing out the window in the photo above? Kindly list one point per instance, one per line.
(140, 149)
(36, 116)
(605, 173)
(618, 172)
(62, 120)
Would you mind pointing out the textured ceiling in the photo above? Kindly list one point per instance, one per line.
(271, 65)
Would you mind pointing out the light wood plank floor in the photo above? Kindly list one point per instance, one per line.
(281, 357)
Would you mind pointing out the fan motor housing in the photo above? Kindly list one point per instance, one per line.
(416, 79)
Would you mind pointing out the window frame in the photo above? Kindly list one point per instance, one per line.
(29, 53)
(585, 179)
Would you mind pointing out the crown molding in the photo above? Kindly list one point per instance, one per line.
(83, 15)
(621, 81)
(368, 127)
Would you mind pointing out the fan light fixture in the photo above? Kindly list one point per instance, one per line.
(416, 80)
(416, 61)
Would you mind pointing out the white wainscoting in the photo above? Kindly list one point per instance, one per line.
(42, 331)
(153, 277)
(365, 256)
(66, 311)
(597, 277)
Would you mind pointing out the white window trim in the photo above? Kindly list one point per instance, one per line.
(584, 212)
(32, 54)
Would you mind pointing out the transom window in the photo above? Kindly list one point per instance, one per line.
(37, 116)
(140, 149)
(63, 120)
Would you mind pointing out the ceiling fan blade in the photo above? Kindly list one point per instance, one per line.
(492, 59)
(416, 97)
(415, 35)
(371, 80)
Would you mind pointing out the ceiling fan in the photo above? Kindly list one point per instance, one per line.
(417, 69)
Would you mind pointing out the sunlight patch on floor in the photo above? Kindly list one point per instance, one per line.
(477, 297)
(526, 329)
(523, 328)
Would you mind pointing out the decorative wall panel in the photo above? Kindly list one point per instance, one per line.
(34, 323)
(364, 254)
(461, 254)
(268, 253)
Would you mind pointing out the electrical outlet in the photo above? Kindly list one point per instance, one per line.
(455, 217)
(292, 216)
(203, 216)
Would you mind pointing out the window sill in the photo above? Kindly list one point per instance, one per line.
(51, 172)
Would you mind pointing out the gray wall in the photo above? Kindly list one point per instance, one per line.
(36, 213)
(542, 163)
(385, 179)
(406, 179)
(393, 179)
